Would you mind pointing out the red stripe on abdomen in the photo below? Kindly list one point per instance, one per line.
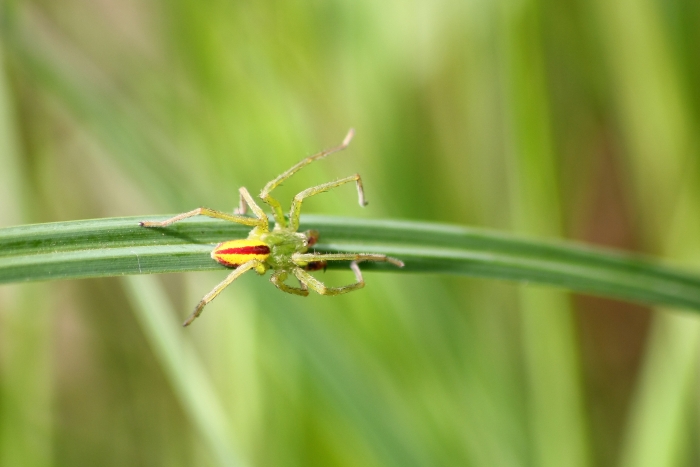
(246, 250)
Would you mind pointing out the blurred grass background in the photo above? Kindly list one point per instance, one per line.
(556, 119)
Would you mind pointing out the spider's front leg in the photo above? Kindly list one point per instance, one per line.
(295, 211)
(304, 259)
(322, 289)
(272, 184)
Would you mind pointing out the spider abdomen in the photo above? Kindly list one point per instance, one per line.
(233, 253)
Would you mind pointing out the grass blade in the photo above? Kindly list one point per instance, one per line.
(118, 246)
(183, 369)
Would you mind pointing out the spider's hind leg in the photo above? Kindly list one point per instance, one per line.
(235, 274)
(250, 221)
(246, 200)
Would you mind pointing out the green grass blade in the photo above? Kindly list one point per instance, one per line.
(183, 369)
(548, 335)
(26, 372)
(118, 246)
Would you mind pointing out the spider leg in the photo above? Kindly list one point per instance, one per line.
(242, 205)
(235, 274)
(247, 200)
(251, 221)
(302, 259)
(314, 190)
(278, 278)
(322, 289)
(272, 202)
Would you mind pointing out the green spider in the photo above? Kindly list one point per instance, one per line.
(284, 250)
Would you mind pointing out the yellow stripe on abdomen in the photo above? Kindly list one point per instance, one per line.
(233, 253)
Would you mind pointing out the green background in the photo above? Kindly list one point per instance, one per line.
(574, 119)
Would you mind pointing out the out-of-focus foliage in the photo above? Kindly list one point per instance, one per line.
(558, 119)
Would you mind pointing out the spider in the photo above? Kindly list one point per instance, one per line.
(283, 249)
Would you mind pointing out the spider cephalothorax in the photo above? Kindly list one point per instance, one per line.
(283, 249)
